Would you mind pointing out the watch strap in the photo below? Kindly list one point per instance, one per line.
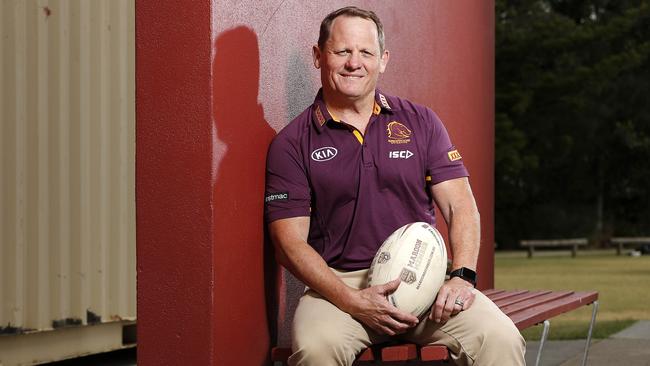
(464, 273)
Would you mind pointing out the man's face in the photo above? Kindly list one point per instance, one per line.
(351, 60)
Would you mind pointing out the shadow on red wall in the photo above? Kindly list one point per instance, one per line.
(244, 270)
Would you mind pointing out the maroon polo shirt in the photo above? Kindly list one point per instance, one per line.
(357, 189)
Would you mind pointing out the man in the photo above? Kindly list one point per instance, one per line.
(341, 177)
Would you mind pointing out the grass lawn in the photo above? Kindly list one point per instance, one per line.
(623, 284)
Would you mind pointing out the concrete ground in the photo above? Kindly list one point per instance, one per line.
(630, 347)
(125, 357)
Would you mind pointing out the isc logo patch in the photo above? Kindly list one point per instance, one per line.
(324, 153)
(400, 154)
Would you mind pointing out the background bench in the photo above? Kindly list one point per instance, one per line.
(629, 241)
(559, 243)
(525, 308)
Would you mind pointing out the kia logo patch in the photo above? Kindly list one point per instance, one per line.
(324, 153)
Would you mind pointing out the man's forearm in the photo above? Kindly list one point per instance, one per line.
(458, 207)
(295, 254)
(465, 237)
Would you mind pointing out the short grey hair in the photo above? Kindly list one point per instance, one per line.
(350, 11)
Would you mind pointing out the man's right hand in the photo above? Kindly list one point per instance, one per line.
(371, 307)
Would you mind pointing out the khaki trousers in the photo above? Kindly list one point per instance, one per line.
(325, 335)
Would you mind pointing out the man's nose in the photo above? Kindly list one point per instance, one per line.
(354, 61)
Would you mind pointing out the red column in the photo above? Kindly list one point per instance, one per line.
(215, 79)
(175, 207)
(464, 90)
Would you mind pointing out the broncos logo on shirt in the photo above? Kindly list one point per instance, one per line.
(398, 133)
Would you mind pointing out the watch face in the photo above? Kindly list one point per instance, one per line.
(466, 274)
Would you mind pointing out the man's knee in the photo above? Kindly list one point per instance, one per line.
(322, 348)
(507, 334)
(501, 340)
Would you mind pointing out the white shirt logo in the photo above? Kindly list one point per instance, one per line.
(324, 153)
(401, 154)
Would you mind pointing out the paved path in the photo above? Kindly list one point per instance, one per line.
(630, 347)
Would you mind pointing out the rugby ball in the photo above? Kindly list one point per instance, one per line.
(416, 254)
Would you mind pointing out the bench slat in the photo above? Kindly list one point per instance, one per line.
(537, 300)
(402, 352)
(506, 295)
(558, 242)
(492, 292)
(631, 240)
(434, 353)
(537, 314)
(519, 298)
(366, 355)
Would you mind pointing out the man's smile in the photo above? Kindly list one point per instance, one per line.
(352, 76)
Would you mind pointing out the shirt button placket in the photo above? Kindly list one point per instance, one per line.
(366, 156)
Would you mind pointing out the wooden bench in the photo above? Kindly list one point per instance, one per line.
(628, 241)
(525, 308)
(559, 243)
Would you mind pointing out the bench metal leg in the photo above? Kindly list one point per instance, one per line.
(591, 329)
(547, 324)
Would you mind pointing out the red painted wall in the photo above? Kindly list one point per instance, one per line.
(174, 208)
(215, 80)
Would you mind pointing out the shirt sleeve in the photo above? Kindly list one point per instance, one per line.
(287, 192)
(444, 161)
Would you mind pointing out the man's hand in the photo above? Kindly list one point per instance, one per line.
(453, 297)
(371, 307)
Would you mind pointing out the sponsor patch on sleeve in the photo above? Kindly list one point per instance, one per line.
(454, 155)
(277, 196)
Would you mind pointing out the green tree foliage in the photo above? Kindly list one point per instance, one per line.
(573, 119)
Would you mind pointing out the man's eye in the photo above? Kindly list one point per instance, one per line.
(342, 53)
(367, 53)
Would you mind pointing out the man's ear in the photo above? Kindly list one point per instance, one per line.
(383, 61)
(316, 54)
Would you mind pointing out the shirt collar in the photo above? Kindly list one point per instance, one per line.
(321, 115)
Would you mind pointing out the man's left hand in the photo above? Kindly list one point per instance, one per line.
(453, 297)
